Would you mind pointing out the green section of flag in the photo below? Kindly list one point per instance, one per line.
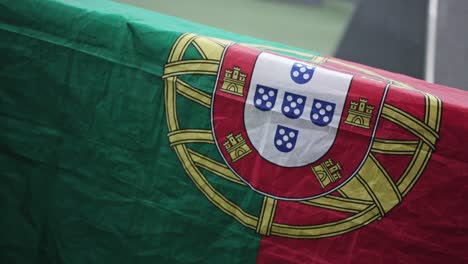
(87, 174)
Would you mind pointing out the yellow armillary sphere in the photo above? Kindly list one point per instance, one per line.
(367, 196)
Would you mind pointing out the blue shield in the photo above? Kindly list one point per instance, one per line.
(265, 97)
(301, 73)
(285, 138)
(322, 112)
(293, 105)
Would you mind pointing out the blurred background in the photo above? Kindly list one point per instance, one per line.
(426, 39)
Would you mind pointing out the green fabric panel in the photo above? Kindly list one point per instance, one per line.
(86, 172)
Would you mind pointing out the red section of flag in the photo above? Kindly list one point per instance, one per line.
(428, 226)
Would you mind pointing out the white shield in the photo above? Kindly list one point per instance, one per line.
(284, 135)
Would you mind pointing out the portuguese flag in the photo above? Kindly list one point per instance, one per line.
(132, 137)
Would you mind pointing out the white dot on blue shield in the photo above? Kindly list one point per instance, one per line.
(279, 142)
(318, 105)
(261, 91)
(289, 145)
(329, 108)
(315, 116)
(281, 131)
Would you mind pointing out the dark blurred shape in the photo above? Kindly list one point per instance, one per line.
(451, 59)
(387, 34)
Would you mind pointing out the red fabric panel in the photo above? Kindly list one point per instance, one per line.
(429, 226)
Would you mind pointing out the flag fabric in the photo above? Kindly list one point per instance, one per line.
(128, 136)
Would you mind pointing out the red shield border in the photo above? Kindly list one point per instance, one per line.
(348, 153)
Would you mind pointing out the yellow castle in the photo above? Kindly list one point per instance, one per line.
(236, 147)
(318, 59)
(359, 113)
(234, 81)
(327, 172)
